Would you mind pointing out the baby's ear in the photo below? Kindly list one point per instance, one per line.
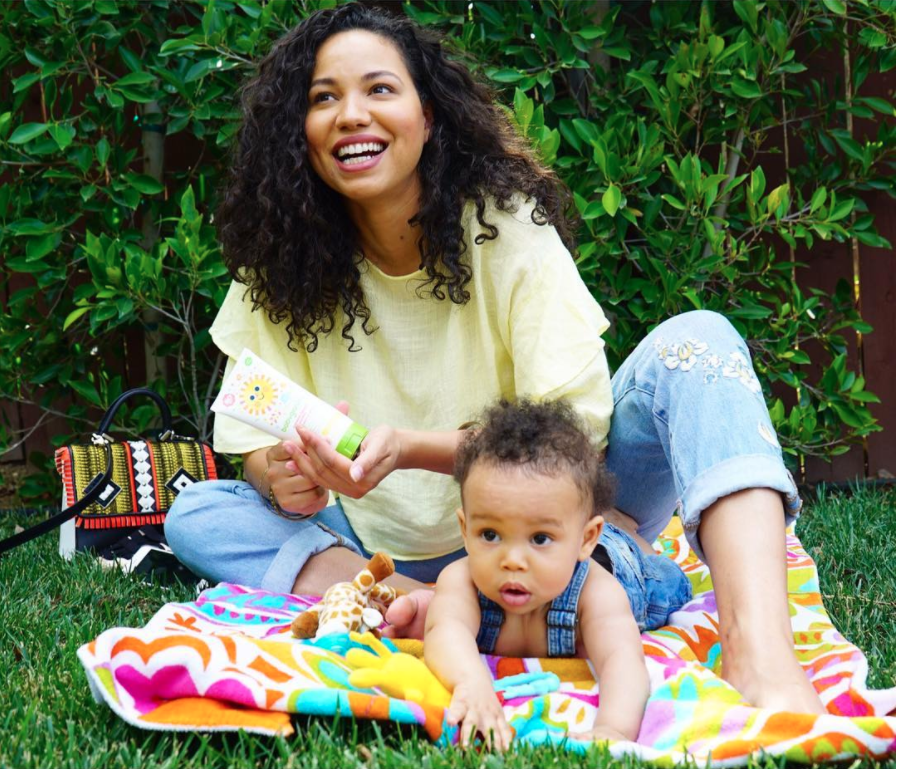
(590, 535)
(462, 522)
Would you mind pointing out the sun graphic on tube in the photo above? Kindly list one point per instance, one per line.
(258, 395)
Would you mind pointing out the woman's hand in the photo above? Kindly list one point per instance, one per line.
(294, 492)
(317, 461)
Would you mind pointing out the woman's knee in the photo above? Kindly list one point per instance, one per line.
(196, 509)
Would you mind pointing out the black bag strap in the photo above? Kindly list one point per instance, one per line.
(106, 421)
(93, 490)
(95, 487)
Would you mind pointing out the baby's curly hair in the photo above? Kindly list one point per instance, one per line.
(542, 438)
(286, 235)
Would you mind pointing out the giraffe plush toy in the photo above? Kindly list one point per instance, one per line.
(354, 606)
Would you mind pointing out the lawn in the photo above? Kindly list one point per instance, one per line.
(50, 608)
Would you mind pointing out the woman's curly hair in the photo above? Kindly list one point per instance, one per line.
(286, 235)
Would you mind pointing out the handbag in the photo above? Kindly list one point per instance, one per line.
(117, 493)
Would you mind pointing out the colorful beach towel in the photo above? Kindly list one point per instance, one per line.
(227, 661)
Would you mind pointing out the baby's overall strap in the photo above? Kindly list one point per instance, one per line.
(491, 617)
(562, 616)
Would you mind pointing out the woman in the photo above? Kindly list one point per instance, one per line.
(395, 245)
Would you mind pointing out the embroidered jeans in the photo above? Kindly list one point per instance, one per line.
(690, 426)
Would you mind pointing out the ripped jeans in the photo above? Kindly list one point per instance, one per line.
(689, 427)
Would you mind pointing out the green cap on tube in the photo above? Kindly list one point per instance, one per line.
(351, 440)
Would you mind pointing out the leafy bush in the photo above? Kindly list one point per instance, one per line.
(657, 115)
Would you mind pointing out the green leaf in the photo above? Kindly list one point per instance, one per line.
(674, 202)
(73, 316)
(847, 415)
(747, 11)
(115, 99)
(836, 6)
(616, 52)
(145, 184)
(757, 184)
(170, 47)
(26, 81)
(587, 130)
(198, 70)
(850, 146)
(871, 239)
(842, 209)
(135, 78)
(590, 33)
(569, 133)
(38, 248)
(777, 197)
(506, 76)
(129, 58)
(86, 390)
(523, 109)
(692, 296)
(799, 357)
(593, 210)
(879, 105)
(611, 199)
(26, 132)
(746, 89)
(63, 134)
(133, 94)
(103, 149)
(29, 227)
(818, 199)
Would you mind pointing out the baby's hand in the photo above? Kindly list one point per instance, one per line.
(478, 711)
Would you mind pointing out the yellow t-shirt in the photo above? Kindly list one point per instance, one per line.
(530, 328)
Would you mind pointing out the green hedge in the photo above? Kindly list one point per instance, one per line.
(657, 115)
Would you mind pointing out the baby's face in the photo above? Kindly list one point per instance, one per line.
(524, 535)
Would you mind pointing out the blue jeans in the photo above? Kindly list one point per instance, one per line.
(689, 427)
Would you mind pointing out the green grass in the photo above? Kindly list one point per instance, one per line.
(49, 608)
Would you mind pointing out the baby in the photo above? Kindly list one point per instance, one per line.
(532, 491)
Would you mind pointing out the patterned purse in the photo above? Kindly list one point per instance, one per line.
(116, 489)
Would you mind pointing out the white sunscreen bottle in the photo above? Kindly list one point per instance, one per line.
(259, 395)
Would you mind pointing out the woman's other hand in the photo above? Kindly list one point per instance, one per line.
(316, 460)
(294, 492)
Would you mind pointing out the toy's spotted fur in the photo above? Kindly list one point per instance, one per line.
(351, 606)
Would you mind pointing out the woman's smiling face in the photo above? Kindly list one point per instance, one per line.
(366, 126)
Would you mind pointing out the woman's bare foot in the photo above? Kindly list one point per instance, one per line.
(743, 536)
(408, 615)
(768, 675)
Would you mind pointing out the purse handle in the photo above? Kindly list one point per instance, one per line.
(91, 493)
(106, 421)
(96, 486)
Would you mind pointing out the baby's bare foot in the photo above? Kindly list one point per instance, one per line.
(408, 614)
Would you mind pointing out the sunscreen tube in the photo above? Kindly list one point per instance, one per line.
(260, 396)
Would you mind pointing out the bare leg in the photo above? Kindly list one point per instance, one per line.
(743, 536)
(339, 564)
